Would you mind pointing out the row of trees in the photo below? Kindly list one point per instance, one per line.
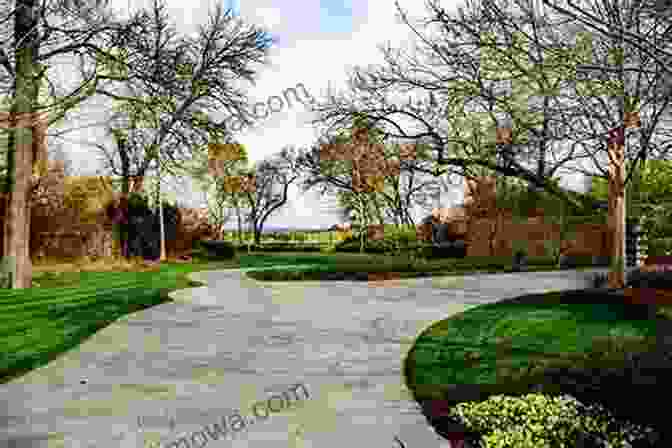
(502, 86)
(142, 64)
(523, 93)
(509, 96)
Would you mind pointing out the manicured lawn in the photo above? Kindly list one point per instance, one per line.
(71, 301)
(506, 347)
(65, 307)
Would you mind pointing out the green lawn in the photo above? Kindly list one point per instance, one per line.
(67, 305)
(40, 323)
(506, 347)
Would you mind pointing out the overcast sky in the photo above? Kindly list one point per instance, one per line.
(318, 43)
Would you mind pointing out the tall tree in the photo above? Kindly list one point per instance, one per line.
(20, 156)
(361, 154)
(637, 83)
(450, 70)
(182, 77)
(131, 154)
(38, 38)
(400, 193)
(510, 132)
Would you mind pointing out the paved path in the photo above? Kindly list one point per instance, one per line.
(189, 364)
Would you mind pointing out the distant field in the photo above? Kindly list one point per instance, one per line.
(296, 236)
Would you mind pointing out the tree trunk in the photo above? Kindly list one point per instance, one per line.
(20, 153)
(17, 220)
(240, 222)
(257, 235)
(364, 223)
(162, 227)
(617, 216)
(123, 227)
(125, 190)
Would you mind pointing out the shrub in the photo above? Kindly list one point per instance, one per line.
(219, 249)
(647, 277)
(328, 249)
(542, 261)
(626, 387)
(402, 237)
(535, 420)
(457, 250)
(576, 261)
(144, 237)
(599, 280)
(351, 245)
(270, 247)
(300, 236)
(659, 246)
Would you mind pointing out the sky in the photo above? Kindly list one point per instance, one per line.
(318, 44)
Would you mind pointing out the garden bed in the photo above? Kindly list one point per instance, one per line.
(609, 352)
(367, 267)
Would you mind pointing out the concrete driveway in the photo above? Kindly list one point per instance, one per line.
(301, 364)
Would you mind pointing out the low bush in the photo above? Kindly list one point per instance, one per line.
(648, 277)
(542, 261)
(218, 249)
(625, 388)
(599, 280)
(659, 246)
(535, 420)
(385, 246)
(576, 261)
(457, 249)
(282, 247)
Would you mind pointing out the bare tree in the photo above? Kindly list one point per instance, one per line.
(181, 77)
(448, 73)
(271, 179)
(632, 77)
(641, 91)
(455, 70)
(37, 40)
(655, 13)
(400, 193)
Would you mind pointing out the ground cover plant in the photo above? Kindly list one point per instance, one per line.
(589, 344)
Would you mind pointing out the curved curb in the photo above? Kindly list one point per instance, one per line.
(199, 276)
